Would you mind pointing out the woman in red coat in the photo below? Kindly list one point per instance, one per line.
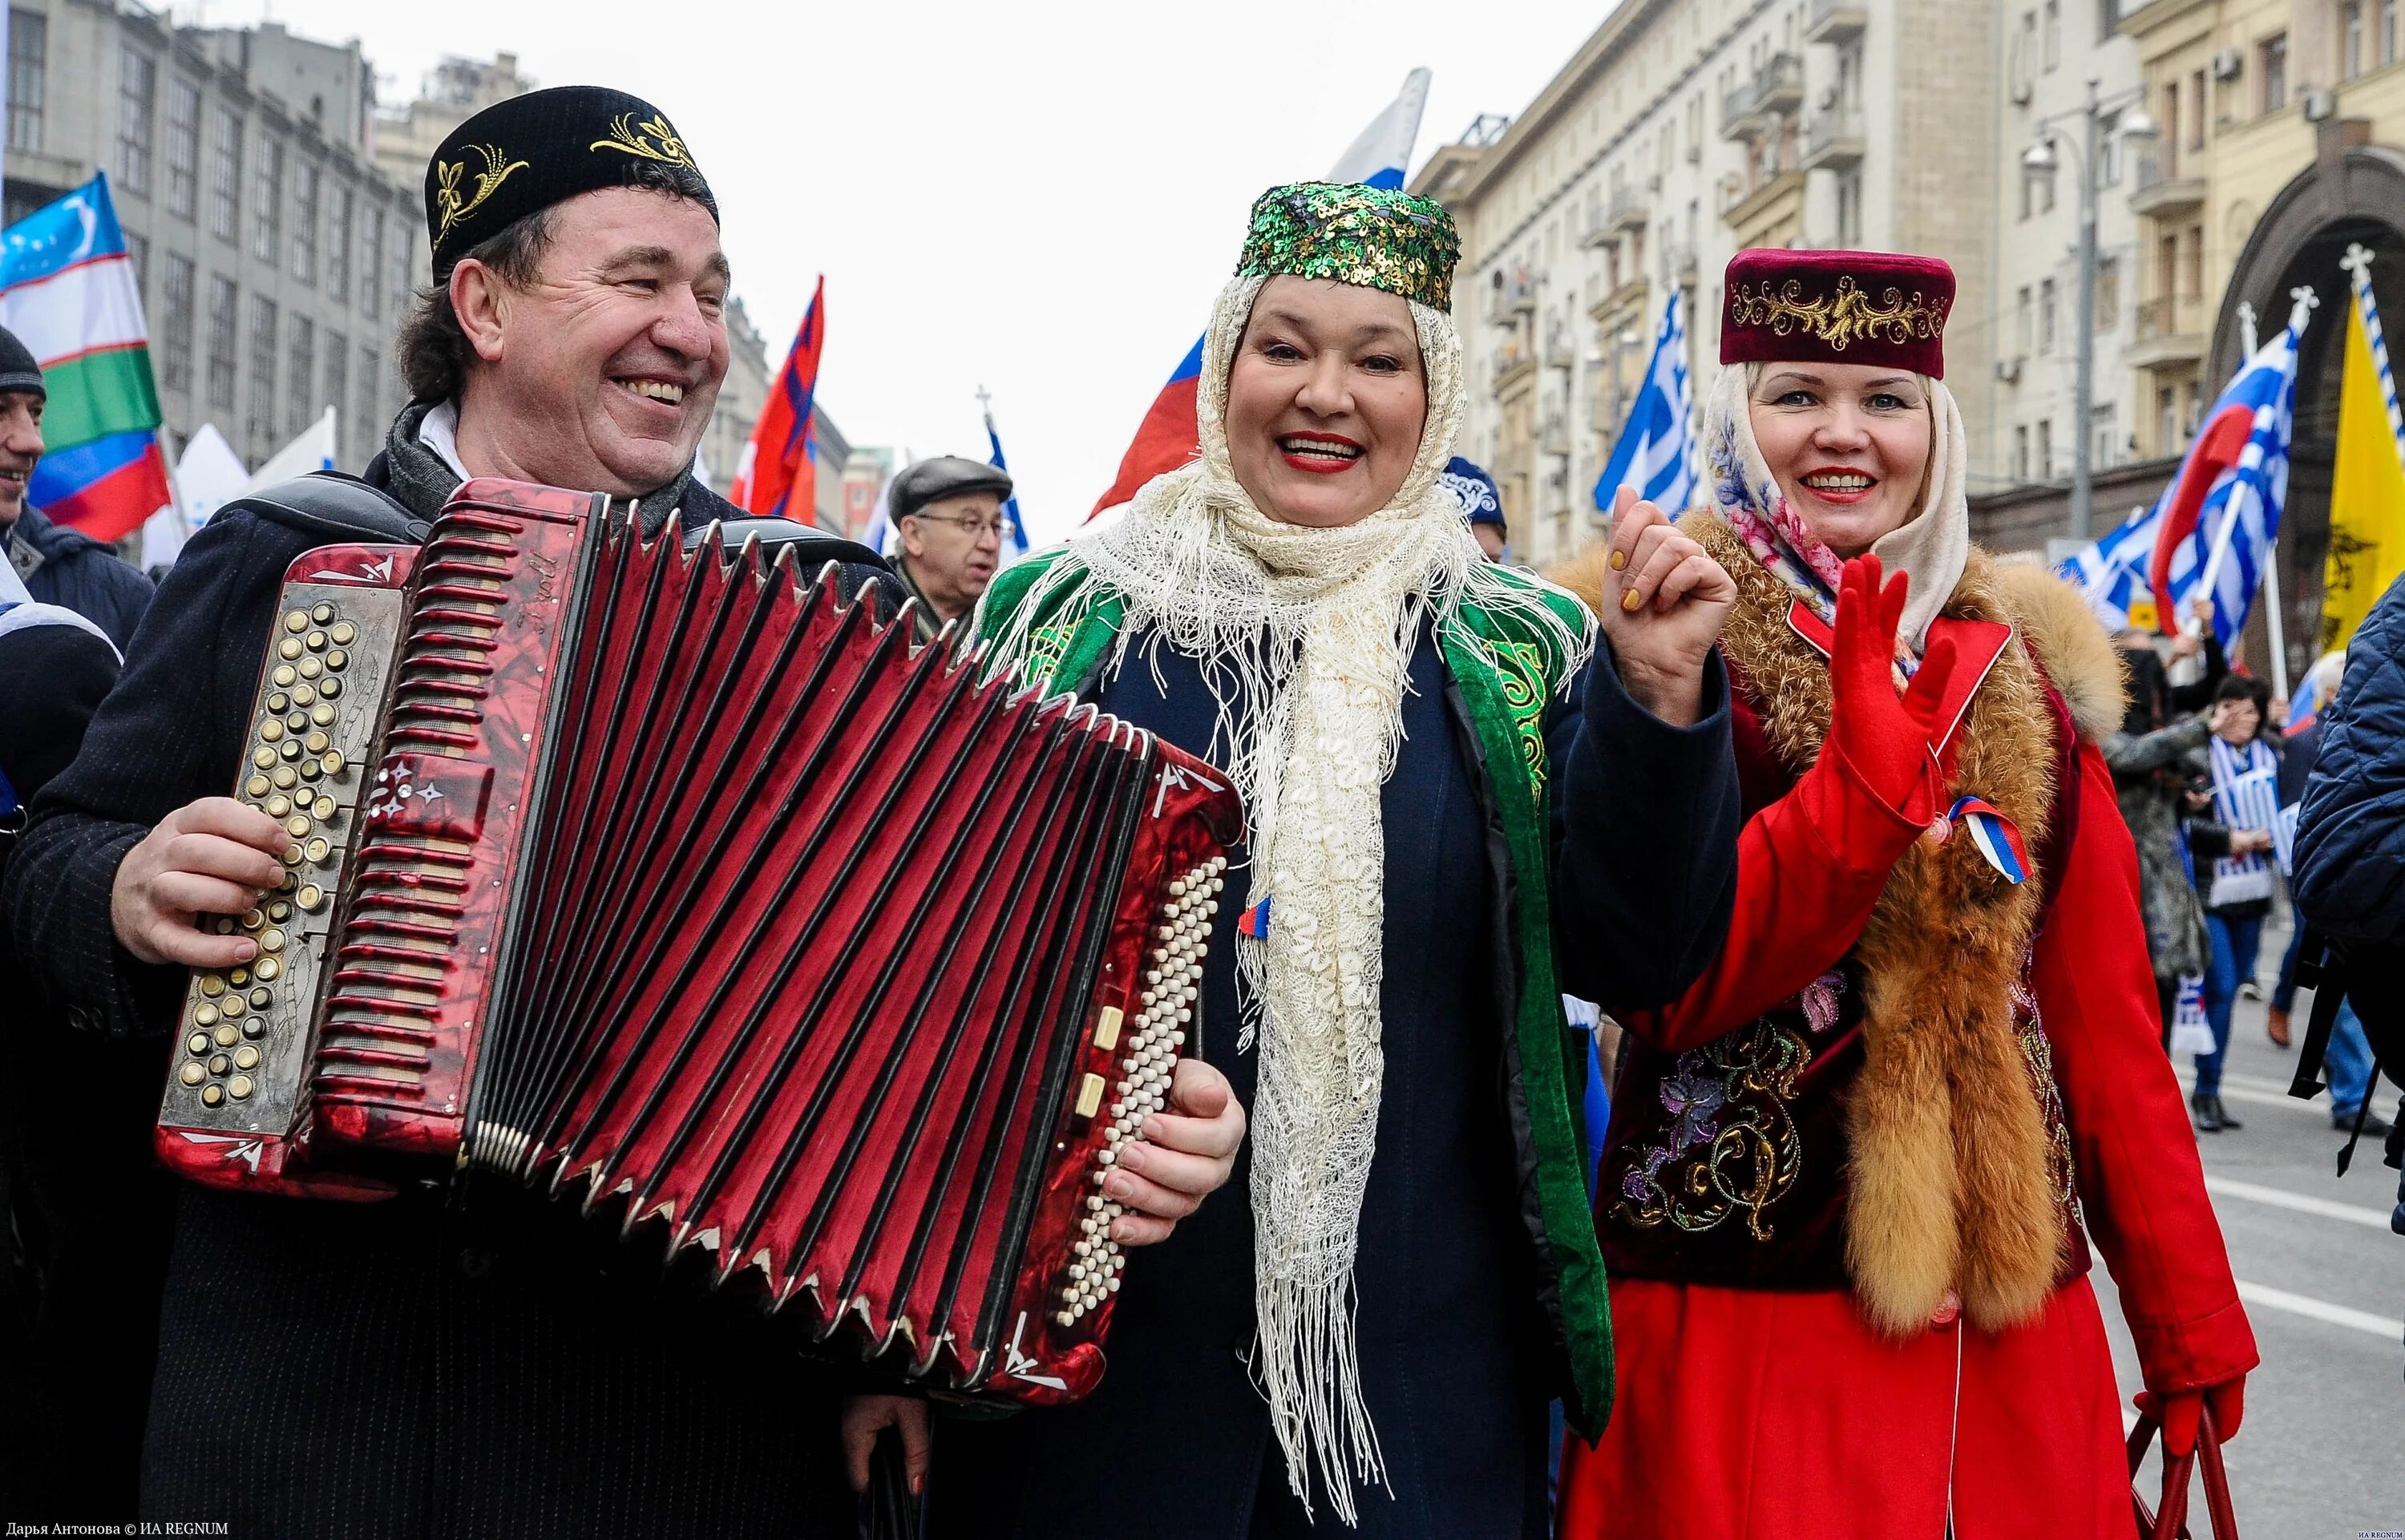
(1850, 1178)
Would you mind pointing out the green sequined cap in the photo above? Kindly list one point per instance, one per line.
(1373, 237)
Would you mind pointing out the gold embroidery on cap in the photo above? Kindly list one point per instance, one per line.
(454, 208)
(653, 139)
(1847, 316)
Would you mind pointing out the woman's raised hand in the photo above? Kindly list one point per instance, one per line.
(1664, 601)
(1890, 741)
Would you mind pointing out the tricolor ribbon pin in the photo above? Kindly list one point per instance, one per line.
(1255, 921)
(1993, 836)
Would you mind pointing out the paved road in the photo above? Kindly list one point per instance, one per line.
(2321, 1454)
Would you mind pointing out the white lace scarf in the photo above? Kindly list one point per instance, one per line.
(1304, 637)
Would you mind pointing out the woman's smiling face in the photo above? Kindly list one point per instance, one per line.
(1848, 444)
(1327, 398)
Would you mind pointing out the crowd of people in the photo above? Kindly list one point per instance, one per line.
(1896, 877)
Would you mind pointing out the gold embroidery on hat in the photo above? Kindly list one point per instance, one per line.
(653, 139)
(1847, 316)
(449, 204)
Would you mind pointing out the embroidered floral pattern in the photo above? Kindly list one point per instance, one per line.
(1839, 319)
(1731, 1145)
(452, 204)
(1520, 670)
(651, 139)
(2038, 1057)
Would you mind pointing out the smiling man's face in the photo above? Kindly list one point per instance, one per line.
(21, 449)
(601, 373)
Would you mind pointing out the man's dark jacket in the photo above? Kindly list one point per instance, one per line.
(70, 569)
(2350, 851)
(456, 1363)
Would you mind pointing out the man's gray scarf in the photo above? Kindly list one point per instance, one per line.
(419, 479)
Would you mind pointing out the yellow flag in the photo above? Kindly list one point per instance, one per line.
(2367, 542)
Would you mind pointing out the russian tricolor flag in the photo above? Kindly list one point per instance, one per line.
(68, 290)
(1169, 436)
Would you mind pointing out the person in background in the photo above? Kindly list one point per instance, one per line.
(946, 516)
(2151, 778)
(1481, 503)
(85, 1213)
(2151, 658)
(57, 565)
(2245, 800)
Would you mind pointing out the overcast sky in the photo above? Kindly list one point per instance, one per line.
(1038, 196)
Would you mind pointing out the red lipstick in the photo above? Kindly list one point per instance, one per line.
(1316, 463)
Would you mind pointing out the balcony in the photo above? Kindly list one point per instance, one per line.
(1679, 260)
(1834, 141)
(1553, 435)
(2171, 331)
(1836, 21)
(1513, 364)
(1776, 89)
(1515, 295)
(1741, 203)
(1629, 210)
(2156, 195)
(1597, 229)
(1627, 298)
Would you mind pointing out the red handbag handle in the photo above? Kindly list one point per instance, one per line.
(2171, 1523)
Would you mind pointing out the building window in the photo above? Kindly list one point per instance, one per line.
(183, 146)
(137, 95)
(223, 302)
(2350, 39)
(2167, 156)
(225, 175)
(2046, 308)
(2167, 419)
(2045, 449)
(1850, 209)
(137, 251)
(338, 382)
(2196, 118)
(398, 250)
(2387, 31)
(267, 203)
(2192, 266)
(2108, 293)
(300, 389)
(2274, 54)
(2022, 313)
(338, 247)
(29, 51)
(2104, 443)
(2020, 453)
(370, 418)
(2053, 32)
(260, 421)
(372, 264)
(308, 178)
(175, 298)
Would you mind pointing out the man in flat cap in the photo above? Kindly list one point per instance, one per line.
(947, 518)
(473, 1360)
(57, 565)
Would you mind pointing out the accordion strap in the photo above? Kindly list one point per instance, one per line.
(338, 508)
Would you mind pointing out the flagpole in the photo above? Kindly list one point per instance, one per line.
(2272, 620)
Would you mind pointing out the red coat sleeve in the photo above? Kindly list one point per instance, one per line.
(1810, 865)
(2141, 1183)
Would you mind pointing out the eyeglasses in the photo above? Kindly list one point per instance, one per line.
(970, 522)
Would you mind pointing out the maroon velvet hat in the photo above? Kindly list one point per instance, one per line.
(1783, 307)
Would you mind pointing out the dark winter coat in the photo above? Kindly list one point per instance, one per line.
(2151, 774)
(67, 567)
(469, 1364)
(2350, 852)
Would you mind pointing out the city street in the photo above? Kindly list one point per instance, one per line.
(2322, 1453)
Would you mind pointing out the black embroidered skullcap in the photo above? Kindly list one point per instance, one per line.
(524, 155)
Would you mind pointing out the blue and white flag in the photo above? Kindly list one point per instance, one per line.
(1656, 450)
(1014, 530)
(2112, 571)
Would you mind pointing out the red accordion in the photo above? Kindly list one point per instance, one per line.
(683, 886)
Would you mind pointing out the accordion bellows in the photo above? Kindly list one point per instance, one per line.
(686, 889)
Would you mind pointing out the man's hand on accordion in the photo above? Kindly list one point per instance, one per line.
(1188, 1154)
(213, 857)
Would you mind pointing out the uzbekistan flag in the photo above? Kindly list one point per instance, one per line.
(69, 290)
(1169, 437)
(777, 476)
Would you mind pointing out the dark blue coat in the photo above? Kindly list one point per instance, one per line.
(2350, 851)
(70, 569)
(1455, 1362)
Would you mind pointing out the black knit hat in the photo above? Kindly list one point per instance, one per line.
(17, 370)
(524, 155)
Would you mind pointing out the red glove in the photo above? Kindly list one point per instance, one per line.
(1886, 741)
(2178, 1413)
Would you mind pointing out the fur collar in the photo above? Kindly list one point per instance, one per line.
(1950, 1155)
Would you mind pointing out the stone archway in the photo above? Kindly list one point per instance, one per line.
(2355, 192)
